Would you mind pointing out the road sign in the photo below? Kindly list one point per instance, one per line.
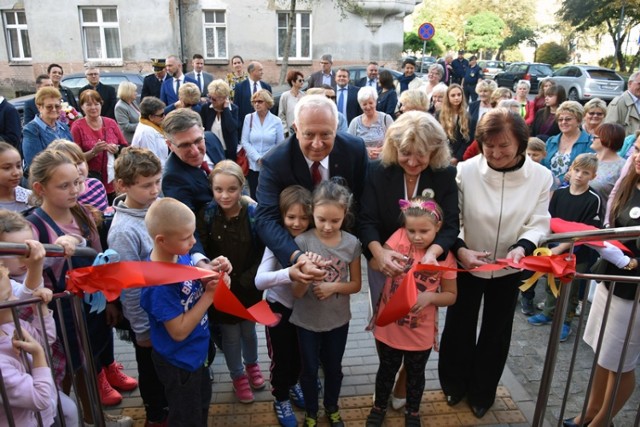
(426, 31)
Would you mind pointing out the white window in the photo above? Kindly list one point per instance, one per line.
(300, 40)
(100, 33)
(215, 34)
(17, 35)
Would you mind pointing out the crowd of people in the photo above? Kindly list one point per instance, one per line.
(281, 205)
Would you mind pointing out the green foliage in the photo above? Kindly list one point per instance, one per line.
(517, 36)
(484, 31)
(610, 61)
(413, 43)
(552, 53)
(446, 39)
(514, 55)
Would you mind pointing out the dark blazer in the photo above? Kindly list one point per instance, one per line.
(109, 99)
(167, 94)
(315, 79)
(189, 184)
(69, 97)
(229, 124)
(387, 102)
(151, 86)
(474, 112)
(363, 82)
(10, 126)
(379, 214)
(285, 165)
(206, 79)
(353, 107)
(30, 111)
(242, 98)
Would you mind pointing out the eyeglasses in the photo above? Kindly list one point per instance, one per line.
(565, 119)
(332, 97)
(158, 115)
(595, 113)
(56, 107)
(185, 146)
(595, 137)
(324, 62)
(93, 74)
(257, 101)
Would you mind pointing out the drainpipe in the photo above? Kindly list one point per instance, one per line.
(181, 36)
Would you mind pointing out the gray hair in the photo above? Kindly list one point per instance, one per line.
(634, 76)
(440, 88)
(327, 57)
(180, 120)
(524, 83)
(315, 102)
(149, 105)
(437, 68)
(366, 93)
(595, 104)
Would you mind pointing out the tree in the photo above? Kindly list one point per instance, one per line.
(413, 43)
(484, 31)
(517, 36)
(552, 53)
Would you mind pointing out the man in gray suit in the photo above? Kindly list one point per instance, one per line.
(325, 76)
(199, 75)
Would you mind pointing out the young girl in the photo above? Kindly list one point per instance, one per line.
(12, 196)
(454, 119)
(226, 226)
(56, 185)
(412, 337)
(282, 339)
(322, 310)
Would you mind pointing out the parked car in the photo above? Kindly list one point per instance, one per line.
(76, 81)
(532, 71)
(356, 72)
(585, 82)
(491, 68)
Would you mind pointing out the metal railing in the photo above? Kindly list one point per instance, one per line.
(623, 233)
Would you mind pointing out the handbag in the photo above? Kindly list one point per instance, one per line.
(242, 161)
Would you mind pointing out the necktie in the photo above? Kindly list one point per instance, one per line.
(255, 87)
(315, 173)
(205, 167)
(341, 100)
(371, 83)
(177, 85)
(199, 81)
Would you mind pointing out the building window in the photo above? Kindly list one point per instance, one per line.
(17, 35)
(100, 33)
(215, 34)
(301, 38)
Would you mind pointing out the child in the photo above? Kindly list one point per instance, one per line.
(454, 119)
(577, 203)
(226, 225)
(56, 184)
(12, 196)
(178, 317)
(536, 149)
(138, 174)
(322, 310)
(411, 338)
(282, 339)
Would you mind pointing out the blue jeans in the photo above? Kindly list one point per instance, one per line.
(239, 342)
(329, 347)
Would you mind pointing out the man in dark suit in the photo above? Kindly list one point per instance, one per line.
(459, 66)
(153, 82)
(315, 146)
(325, 76)
(371, 79)
(201, 77)
(347, 96)
(10, 127)
(30, 109)
(176, 78)
(108, 93)
(185, 176)
(245, 90)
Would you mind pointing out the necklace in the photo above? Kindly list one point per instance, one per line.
(410, 179)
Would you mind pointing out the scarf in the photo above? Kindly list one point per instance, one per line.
(151, 124)
(404, 81)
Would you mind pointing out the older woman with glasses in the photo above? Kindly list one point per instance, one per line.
(220, 116)
(127, 110)
(44, 128)
(289, 99)
(434, 76)
(261, 131)
(149, 132)
(562, 149)
(594, 112)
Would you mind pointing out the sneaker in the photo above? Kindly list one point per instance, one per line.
(242, 389)
(285, 414)
(333, 414)
(566, 331)
(526, 306)
(540, 305)
(118, 379)
(117, 420)
(398, 402)
(412, 420)
(310, 420)
(255, 376)
(376, 417)
(108, 396)
(579, 308)
(539, 319)
(296, 396)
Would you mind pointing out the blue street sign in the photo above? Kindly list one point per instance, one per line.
(426, 31)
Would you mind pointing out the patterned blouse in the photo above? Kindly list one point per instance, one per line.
(233, 80)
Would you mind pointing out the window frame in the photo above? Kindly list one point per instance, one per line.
(298, 35)
(215, 25)
(102, 26)
(19, 28)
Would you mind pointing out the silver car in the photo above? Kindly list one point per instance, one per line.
(491, 68)
(585, 82)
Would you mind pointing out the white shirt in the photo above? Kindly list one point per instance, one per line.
(251, 82)
(323, 169)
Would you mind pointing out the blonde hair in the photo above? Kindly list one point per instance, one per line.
(45, 93)
(127, 91)
(69, 148)
(571, 107)
(166, 215)
(536, 144)
(414, 99)
(219, 88)
(189, 94)
(265, 96)
(227, 167)
(585, 161)
(489, 85)
(500, 94)
(451, 117)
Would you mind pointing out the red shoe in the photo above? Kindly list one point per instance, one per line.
(255, 376)
(242, 389)
(108, 396)
(119, 379)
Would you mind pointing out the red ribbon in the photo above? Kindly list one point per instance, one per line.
(111, 279)
(561, 226)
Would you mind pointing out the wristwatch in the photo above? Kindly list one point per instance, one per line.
(633, 264)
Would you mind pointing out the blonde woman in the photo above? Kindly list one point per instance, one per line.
(594, 112)
(188, 97)
(127, 111)
(454, 119)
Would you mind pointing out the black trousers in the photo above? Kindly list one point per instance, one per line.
(472, 366)
(151, 389)
(282, 344)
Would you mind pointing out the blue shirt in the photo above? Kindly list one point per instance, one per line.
(164, 303)
(37, 136)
